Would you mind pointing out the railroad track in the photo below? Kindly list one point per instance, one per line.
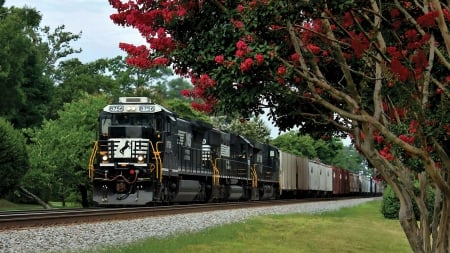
(53, 217)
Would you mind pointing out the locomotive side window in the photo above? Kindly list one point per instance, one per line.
(105, 124)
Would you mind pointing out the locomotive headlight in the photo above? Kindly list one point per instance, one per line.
(140, 158)
(104, 156)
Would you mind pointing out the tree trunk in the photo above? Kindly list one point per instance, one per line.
(36, 198)
(84, 196)
(409, 225)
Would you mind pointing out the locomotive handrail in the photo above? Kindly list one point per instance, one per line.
(254, 176)
(216, 172)
(91, 161)
(158, 163)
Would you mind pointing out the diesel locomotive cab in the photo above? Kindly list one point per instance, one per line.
(126, 163)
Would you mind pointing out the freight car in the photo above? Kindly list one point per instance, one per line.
(145, 154)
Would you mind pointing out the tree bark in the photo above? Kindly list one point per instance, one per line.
(84, 196)
(34, 197)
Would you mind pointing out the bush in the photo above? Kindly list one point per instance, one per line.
(391, 204)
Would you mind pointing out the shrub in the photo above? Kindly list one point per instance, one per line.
(391, 204)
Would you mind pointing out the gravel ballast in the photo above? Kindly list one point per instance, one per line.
(73, 238)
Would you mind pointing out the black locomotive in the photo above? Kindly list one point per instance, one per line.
(145, 154)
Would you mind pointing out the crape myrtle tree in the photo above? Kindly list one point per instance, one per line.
(376, 70)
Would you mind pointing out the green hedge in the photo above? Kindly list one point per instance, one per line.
(391, 204)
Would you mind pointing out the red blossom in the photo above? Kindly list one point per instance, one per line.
(240, 53)
(206, 81)
(420, 62)
(219, 59)
(378, 138)
(186, 93)
(259, 59)
(385, 106)
(396, 25)
(295, 57)
(398, 69)
(386, 153)
(413, 127)
(395, 13)
(242, 45)
(447, 128)
(314, 49)
(411, 34)
(281, 80)
(348, 20)
(237, 24)
(359, 43)
(428, 20)
(246, 65)
(240, 8)
(161, 61)
(281, 70)
(406, 138)
(446, 15)
(207, 108)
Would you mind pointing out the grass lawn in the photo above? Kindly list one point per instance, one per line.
(9, 206)
(357, 229)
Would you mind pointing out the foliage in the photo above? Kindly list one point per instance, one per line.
(375, 70)
(253, 129)
(294, 143)
(13, 158)
(25, 88)
(60, 149)
(183, 110)
(348, 158)
(391, 204)
(330, 151)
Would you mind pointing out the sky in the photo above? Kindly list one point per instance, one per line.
(100, 37)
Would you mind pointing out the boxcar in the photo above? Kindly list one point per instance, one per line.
(341, 181)
(320, 178)
(355, 183)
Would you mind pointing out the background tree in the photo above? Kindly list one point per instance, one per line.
(13, 158)
(347, 157)
(25, 88)
(331, 151)
(61, 149)
(294, 143)
(375, 70)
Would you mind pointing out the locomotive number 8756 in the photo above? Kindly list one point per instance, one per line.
(146, 154)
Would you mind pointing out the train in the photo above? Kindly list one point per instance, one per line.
(146, 155)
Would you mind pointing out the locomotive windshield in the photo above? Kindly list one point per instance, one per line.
(131, 125)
